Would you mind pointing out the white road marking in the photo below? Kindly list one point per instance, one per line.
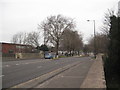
(39, 66)
(26, 63)
(7, 65)
(16, 64)
(2, 75)
(38, 61)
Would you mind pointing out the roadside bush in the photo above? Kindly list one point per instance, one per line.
(112, 62)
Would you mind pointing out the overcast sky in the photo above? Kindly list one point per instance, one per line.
(25, 15)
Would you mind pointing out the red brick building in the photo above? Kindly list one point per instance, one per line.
(11, 48)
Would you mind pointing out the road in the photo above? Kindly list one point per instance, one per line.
(16, 72)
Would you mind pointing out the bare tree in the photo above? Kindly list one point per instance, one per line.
(71, 41)
(33, 38)
(53, 28)
(19, 38)
(104, 37)
(106, 23)
(66, 40)
(101, 41)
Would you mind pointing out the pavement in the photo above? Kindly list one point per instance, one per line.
(95, 77)
(72, 77)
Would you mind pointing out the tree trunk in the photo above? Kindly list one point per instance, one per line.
(57, 48)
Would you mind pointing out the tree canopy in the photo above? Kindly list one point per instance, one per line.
(53, 28)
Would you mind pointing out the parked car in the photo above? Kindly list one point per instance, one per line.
(48, 56)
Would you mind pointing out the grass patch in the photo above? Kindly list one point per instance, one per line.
(62, 56)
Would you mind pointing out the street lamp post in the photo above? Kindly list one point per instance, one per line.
(94, 38)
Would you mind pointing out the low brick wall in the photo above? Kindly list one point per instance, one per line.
(6, 57)
(29, 55)
(19, 56)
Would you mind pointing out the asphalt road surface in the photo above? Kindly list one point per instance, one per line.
(16, 72)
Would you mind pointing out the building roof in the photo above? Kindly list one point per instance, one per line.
(14, 44)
